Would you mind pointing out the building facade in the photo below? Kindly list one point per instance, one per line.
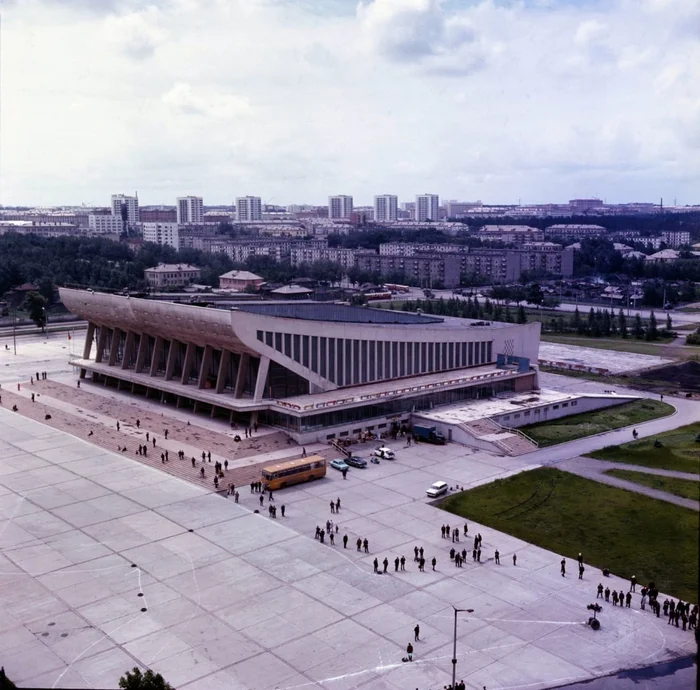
(162, 233)
(171, 275)
(386, 208)
(248, 209)
(318, 371)
(189, 209)
(428, 269)
(427, 207)
(340, 207)
(239, 280)
(574, 231)
(130, 203)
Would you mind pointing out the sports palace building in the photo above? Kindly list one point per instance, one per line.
(317, 370)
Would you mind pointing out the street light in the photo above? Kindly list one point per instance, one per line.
(454, 644)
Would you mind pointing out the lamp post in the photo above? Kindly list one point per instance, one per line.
(454, 644)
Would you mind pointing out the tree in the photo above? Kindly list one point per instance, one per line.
(638, 330)
(35, 304)
(669, 322)
(576, 321)
(522, 317)
(135, 680)
(622, 324)
(534, 294)
(652, 329)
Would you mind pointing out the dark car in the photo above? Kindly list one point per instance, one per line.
(354, 461)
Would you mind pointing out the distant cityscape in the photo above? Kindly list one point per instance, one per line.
(474, 242)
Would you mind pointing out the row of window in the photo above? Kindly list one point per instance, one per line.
(526, 413)
(347, 361)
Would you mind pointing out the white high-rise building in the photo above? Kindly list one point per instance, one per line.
(132, 207)
(427, 207)
(189, 209)
(162, 233)
(386, 207)
(248, 208)
(339, 207)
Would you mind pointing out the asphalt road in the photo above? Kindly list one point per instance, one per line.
(681, 674)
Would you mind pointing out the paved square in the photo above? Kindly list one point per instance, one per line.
(106, 564)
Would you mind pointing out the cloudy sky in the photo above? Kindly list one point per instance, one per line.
(293, 100)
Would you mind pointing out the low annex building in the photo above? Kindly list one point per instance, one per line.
(316, 370)
(172, 275)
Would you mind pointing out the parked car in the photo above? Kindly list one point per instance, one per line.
(339, 464)
(384, 453)
(355, 461)
(437, 489)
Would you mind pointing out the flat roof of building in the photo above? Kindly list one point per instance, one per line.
(318, 311)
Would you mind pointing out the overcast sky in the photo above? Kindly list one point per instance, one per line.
(537, 100)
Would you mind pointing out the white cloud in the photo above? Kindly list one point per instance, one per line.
(294, 100)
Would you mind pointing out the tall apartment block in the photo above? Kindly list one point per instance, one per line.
(189, 209)
(162, 233)
(386, 208)
(132, 207)
(248, 208)
(339, 207)
(427, 207)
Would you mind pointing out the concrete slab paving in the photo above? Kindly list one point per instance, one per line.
(247, 602)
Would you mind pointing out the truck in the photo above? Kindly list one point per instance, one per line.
(428, 434)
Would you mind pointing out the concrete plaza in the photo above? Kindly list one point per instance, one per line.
(106, 564)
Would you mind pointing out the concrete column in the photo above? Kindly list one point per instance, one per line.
(141, 354)
(172, 356)
(89, 337)
(223, 366)
(262, 378)
(204, 368)
(128, 347)
(189, 358)
(101, 342)
(156, 355)
(240, 375)
(114, 349)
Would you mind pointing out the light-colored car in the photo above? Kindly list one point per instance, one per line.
(437, 489)
(385, 453)
(339, 464)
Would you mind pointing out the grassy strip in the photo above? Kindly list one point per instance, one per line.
(679, 451)
(685, 488)
(627, 532)
(638, 347)
(599, 421)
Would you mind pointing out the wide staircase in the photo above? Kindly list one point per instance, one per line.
(509, 441)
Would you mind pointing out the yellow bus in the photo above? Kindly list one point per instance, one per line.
(293, 472)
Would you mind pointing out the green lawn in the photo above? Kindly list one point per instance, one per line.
(679, 451)
(589, 423)
(685, 488)
(627, 532)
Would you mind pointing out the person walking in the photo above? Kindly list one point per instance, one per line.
(385, 563)
(337, 505)
(580, 558)
(376, 565)
(396, 564)
(403, 562)
(416, 633)
(497, 557)
(580, 572)
(563, 567)
(365, 545)
(633, 583)
(359, 544)
(345, 538)
(434, 562)
(409, 651)
(600, 591)
(282, 509)
(515, 559)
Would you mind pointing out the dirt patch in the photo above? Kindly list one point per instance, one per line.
(684, 376)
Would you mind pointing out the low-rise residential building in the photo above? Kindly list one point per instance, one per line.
(427, 269)
(574, 231)
(303, 253)
(105, 225)
(676, 238)
(239, 280)
(162, 233)
(172, 275)
(511, 234)
(27, 227)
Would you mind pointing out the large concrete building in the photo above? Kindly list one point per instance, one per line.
(318, 371)
(122, 203)
(162, 233)
(427, 207)
(386, 208)
(189, 209)
(429, 269)
(340, 207)
(248, 209)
